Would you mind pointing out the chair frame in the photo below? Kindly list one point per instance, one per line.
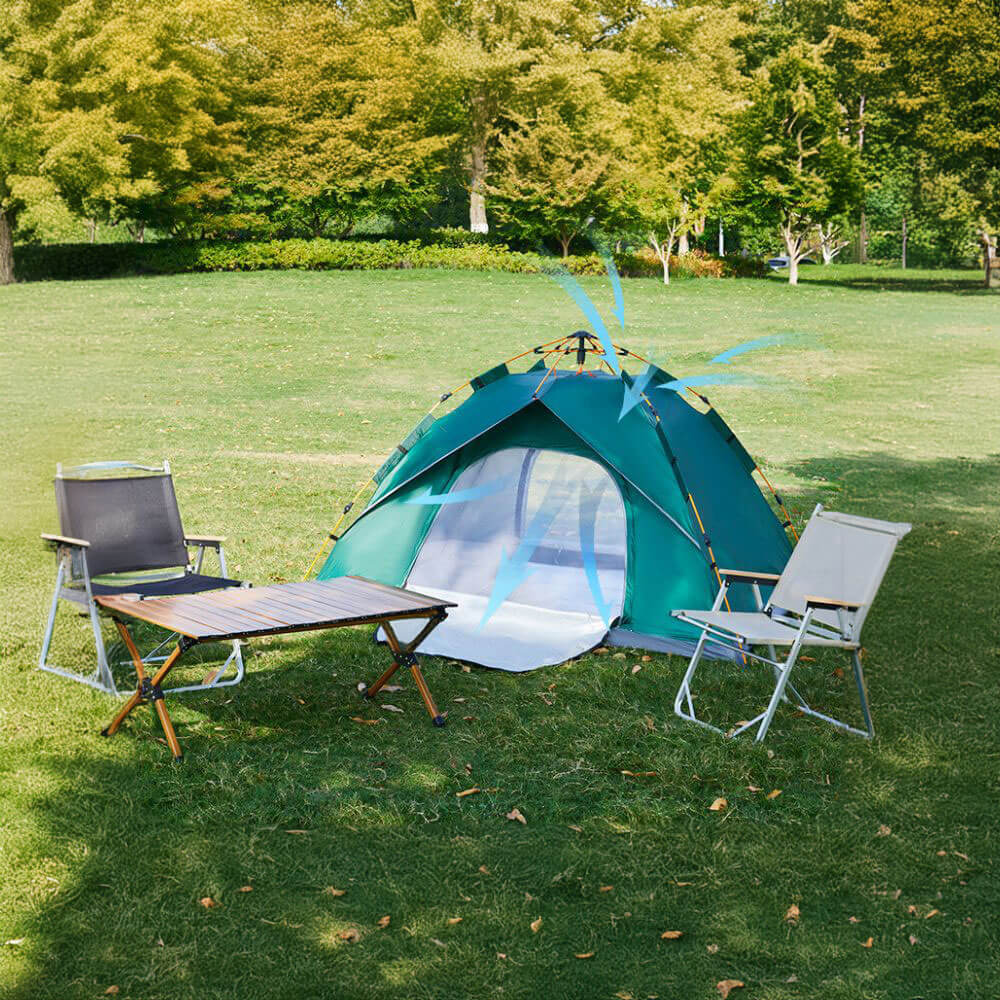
(69, 550)
(803, 630)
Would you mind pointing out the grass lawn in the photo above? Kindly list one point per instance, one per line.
(274, 395)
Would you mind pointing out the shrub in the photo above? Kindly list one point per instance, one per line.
(436, 249)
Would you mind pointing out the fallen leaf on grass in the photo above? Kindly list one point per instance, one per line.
(646, 659)
(111, 991)
(468, 791)
(501, 955)
(384, 921)
(438, 942)
(245, 888)
(454, 920)
(636, 669)
(711, 948)
(297, 833)
(913, 939)
(933, 913)
(774, 793)
(386, 707)
(792, 914)
(351, 934)
(516, 814)
(207, 902)
(852, 920)
(868, 943)
(725, 986)
(884, 831)
(640, 774)
(671, 935)
(536, 925)
(584, 954)
(601, 650)
(484, 869)
(366, 722)
(941, 854)
(606, 888)
(959, 854)
(719, 805)
(576, 829)
(622, 995)
(331, 891)
(753, 788)
(392, 688)
(14, 942)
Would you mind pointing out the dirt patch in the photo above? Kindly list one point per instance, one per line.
(306, 458)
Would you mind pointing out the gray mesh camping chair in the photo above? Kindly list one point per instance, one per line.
(121, 533)
(820, 599)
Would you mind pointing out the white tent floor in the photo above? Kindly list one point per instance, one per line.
(517, 638)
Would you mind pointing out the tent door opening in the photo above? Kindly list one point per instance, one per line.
(532, 548)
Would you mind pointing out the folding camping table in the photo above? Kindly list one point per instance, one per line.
(247, 613)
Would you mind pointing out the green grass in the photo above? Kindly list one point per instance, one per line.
(274, 395)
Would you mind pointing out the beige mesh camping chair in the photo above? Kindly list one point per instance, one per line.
(821, 599)
(121, 533)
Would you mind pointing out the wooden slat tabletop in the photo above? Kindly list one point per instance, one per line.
(284, 607)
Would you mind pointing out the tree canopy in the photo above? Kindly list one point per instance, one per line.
(802, 124)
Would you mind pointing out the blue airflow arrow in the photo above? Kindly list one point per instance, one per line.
(513, 570)
(751, 345)
(590, 501)
(690, 381)
(462, 496)
(580, 297)
(633, 392)
(604, 251)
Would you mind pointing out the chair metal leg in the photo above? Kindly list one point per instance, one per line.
(50, 625)
(684, 691)
(859, 679)
(786, 673)
(102, 678)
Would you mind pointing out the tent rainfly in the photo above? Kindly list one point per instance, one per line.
(557, 522)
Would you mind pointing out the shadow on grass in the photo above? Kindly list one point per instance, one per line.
(875, 282)
(282, 792)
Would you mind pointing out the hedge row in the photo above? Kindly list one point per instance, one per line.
(35, 263)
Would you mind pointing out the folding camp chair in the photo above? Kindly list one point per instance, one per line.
(820, 599)
(121, 533)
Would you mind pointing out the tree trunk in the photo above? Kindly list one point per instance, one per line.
(863, 226)
(92, 226)
(722, 240)
(564, 242)
(793, 270)
(477, 183)
(663, 251)
(6, 250)
(905, 236)
(682, 244)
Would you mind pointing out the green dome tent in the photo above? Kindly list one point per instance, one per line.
(555, 523)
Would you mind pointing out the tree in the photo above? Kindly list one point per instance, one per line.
(554, 176)
(682, 86)
(485, 61)
(113, 107)
(340, 118)
(796, 170)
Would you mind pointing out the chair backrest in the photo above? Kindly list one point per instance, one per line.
(838, 556)
(132, 522)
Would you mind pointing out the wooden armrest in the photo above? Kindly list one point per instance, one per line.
(207, 541)
(831, 603)
(56, 540)
(745, 576)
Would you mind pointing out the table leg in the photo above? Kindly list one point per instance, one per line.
(148, 690)
(403, 655)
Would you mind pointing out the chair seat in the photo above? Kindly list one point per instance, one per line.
(189, 583)
(757, 629)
